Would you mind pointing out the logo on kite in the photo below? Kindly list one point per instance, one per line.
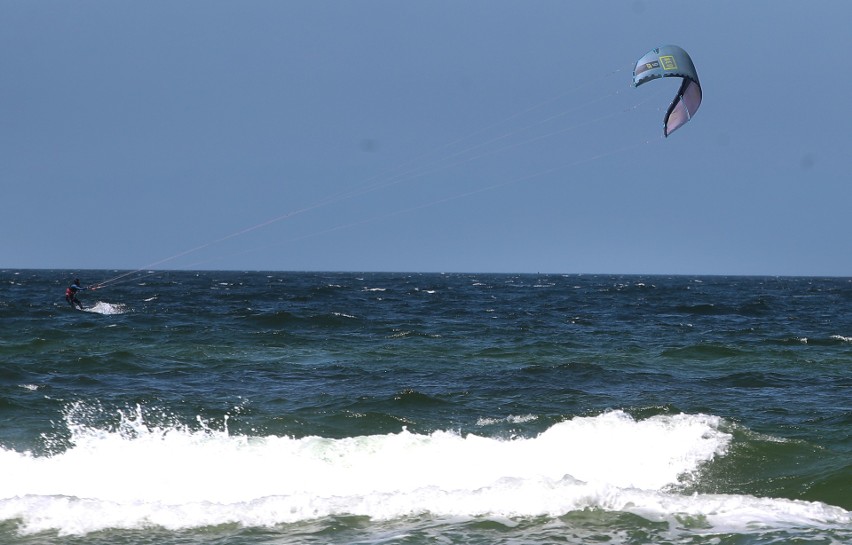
(666, 62)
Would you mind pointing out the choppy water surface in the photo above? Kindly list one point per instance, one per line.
(227, 407)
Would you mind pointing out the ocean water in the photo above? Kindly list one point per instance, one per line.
(289, 408)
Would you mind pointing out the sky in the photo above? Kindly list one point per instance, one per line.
(424, 136)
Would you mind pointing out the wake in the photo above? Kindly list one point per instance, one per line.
(107, 309)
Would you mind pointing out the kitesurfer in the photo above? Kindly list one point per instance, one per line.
(71, 294)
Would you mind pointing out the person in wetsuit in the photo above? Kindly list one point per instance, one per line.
(71, 294)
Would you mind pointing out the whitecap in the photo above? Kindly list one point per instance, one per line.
(511, 419)
(138, 474)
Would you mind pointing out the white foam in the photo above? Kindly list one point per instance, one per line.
(139, 475)
(511, 419)
(107, 308)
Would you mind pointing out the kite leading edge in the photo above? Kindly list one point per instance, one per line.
(671, 61)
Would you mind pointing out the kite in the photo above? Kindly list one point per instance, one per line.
(670, 61)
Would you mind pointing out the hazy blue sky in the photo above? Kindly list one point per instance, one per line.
(486, 136)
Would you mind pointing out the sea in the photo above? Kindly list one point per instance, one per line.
(223, 407)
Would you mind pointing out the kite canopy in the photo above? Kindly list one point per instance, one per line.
(671, 61)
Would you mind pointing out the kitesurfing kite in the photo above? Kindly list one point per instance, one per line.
(669, 61)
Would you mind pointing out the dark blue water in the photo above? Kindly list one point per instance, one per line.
(229, 407)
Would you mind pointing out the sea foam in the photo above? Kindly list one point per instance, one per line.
(138, 475)
(104, 308)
